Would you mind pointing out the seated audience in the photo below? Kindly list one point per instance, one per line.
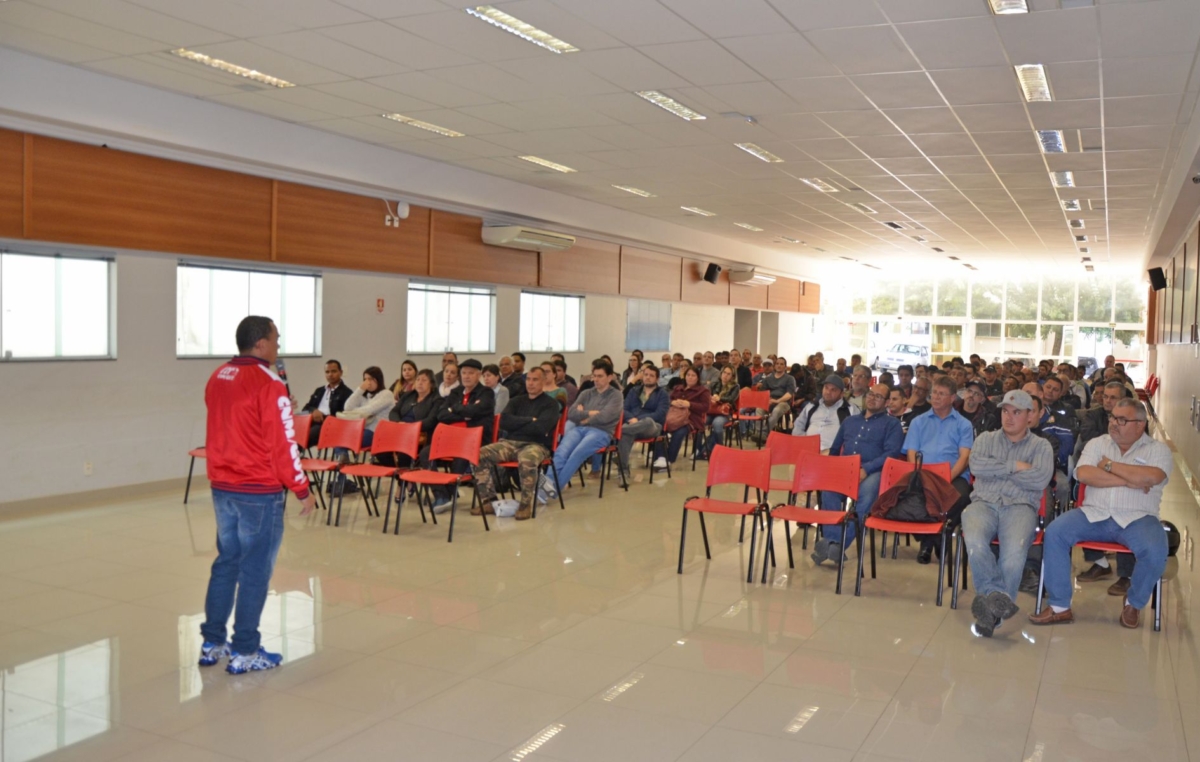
(421, 406)
(473, 404)
(634, 370)
(645, 413)
(408, 377)
(450, 380)
(556, 357)
(725, 392)
(448, 358)
(563, 381)
(327, 400)
(370, 402)
(695, 398)
(918, 403)
(709, 372)
(550, 385)
(491, 380)
(824, 416)
(1012, 468)
(595, 414)
(782, 388)
(860, 382)
(977, 409)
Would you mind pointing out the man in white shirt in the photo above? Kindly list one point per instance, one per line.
(823, 417)
(327, 400)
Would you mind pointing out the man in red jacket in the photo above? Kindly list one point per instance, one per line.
(252, 462)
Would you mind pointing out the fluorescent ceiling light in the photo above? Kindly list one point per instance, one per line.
(1089, 268)
(864, 208)
(1080, 239)
(229, 68)
(759, 153)
(819, 184)
(1005, 7)
(1076, 224)
(670, 104)
(546, 163)
(789, 240)
(698, 210)
(1085, 259)
(443, 131)
(1071, 204)
(1063, 179)
(1033, 81)
(748, 227)
(1051, 141)
(527, 32)
(919, 239)
(634, 191)
(1085, 250)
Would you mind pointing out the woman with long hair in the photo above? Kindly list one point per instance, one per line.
(408, 377)
(696, 399)
(725, 391)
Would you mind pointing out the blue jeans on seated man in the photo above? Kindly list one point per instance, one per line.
(1015, 526)
(1145, 537)
(575, 447)
(367, 438)
(868, 492)
(249, 530)
(718, 422)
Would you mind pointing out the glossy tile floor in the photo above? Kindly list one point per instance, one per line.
(565, 638)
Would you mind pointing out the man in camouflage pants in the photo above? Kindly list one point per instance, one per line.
(527, 427)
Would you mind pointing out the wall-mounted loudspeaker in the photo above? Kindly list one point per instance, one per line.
(712, 273)
(1157, 279)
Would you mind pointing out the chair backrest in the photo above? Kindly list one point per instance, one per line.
(303, 424)
(341, 432)
(392, 437)
(752, 468)
(496, 428)
(786, 449)
(451, 442)
(831, 473)
(559, 429)
(748, 399)
(620, 424)
(894, 468)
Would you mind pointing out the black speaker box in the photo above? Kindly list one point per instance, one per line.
(1157, 279)
(712, 273)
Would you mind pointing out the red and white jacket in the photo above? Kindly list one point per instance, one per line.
(251, 440)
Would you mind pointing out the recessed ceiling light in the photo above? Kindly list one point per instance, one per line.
(941, 251)
(1071, 204)
(1005, 7)
(848, 259)
(790, 240)
(759, 153)
(1051, 141)
(1089, 268)
(699, 211)
(919, 239)
(954, 258)
(546, 163)
(896, 225)
(635, 191)
(819, 184)
(423, 125)
(1078, 224)
(1080, 239)
(527, 32)
(748, 227)
(1084, 250)
(864, 208)
(1086, 259)
(1063, 179)
(1033, 81)
(229, 68)
(670, 104)
(818, 248)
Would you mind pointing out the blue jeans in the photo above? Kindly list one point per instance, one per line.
(1145, 537)
(596, 460)
(575, 447)
(675, 441)
(718, 422)
(868, 491)
(249, 530)
(1015, 526)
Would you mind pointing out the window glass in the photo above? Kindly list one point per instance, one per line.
(1130, 301)
(1021, 300)
(450, 318)
(918, 299)
(211, 301)
(1095, 300)
(987, 301)
(55, 307)
(647, 325)
(952, 298)
(885, 298)
(1058, 300)
(551, 323)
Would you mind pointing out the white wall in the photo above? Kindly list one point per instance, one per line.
(134, 418)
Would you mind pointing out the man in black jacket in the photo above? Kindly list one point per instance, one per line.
(528, 422)
(327, 400)
(472, 403)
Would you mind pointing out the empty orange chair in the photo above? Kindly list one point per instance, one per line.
(786, 450)
(752, 401)
(390, 437)
(449, 444)
(335, 432)
(752, 469)
(197, 452)
(816, 472)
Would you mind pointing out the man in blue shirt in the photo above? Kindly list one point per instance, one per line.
(645, 413)
(942, 436)
(875, 436)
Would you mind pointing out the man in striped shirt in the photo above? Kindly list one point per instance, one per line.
(1012, 467)
(1125, 472)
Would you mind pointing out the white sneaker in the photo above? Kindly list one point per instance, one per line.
(660, 464)
(546, 486)
(541, 496)
(442, 507)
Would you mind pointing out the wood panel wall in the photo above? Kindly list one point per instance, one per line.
(12, 183)
(650, 275)
(457, 252)
(784, 295)
(320, 227)
(102, 197)
(61, 191)
(592, 267)
(810, 297)
(697, 290)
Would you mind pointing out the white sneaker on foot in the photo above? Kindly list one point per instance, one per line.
(660, 464)
(442, 507)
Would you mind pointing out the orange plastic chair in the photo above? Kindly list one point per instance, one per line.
(547, 464)
(392, 438)
(197, 452)
(893, 469)
(752, 469)
(449, 443)
(960, 553)
(751, 400)
(335, 432)
(816, 472)
(786, 450)
(608, 451)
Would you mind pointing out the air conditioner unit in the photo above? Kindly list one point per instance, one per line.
(529, 239)
(750, 278)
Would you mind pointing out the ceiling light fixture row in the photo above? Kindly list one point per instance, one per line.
(527, 32)
(699, 211)
(1034, 84)
(670, 104)
(229, 68)
(1006, 7)
(759, 153)
(818, 184)
(635, 191)
(546, 163)
(1051, 141)
(748, 227)
(427, 126)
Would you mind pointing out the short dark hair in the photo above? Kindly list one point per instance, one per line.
(560, 364)
(946, 383)
(1055, 379)
(492, 368)
(603, 365)
(536, 369)
(253, 329)
(519, 354)
(650, 366)
(908, 368)
(334, 362)
(376, 373)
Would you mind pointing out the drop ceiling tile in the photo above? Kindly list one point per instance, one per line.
(899, 11)
(975, 182)
(858, 123)
(780, 56)
(925, 183)
(1077, 80)
(908, 166)
(145, 69)
(379, 98)
(394, 44)
(914, 121)
(1051, 36)
(1167, 27)
(546, 142)
(330, 54)
(456, 120)
(485, 78)
(836, 148)
(754, 98)
(795, 126)
(964, 87)
(1151, 159)
(1139, 111)
(952, 144)
(720, 19)
(1023, 180)
(119, 14)
(1021, 141)
(1074, 161)
(887, 147)
(470, 36)
(863, 50)
(388, 9)
(534, 115)
(678, 133)
(562, 23)
(1118, 177)
(634, 22)
(859, 167)
(955, 43)
(1061, 115)
(623, 136)
(48, 46)
(1158, 75)
(319, 101)
(821, 14)
(566, 77)
(75, 29)
(629, 70)
(879, 184)
(480, 147)
(426, 88)
(702, 63)
(271, 107)
(994, 117)
(825, 94)
(1024, 162)
(903, 90)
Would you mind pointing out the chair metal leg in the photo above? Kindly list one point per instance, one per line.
(742, 531)
(453, 512)
(562, 505)
(1037, 605)
(787, 535)
(704, 534)
(188, 488)
(753, 542)
(682, 537)
(941, 568)
(1157, 603)
(872, 554)
(841, 557)
(895, 544)
(858, 578)
(956, 569)
(768, 551)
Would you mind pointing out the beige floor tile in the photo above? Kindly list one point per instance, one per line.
(488, 711)
(1064, 711)
(561, 671)
(870, 677)
(724, 744)
(460, 651)
(67, 735)
(598, 730)
(131, 586)
(392, 739)
(176, 752)
(680, 693)
(532, 621)
(967, 693)
(664, 612)
(47, 606)
(717, 652)
(1057, 746)
(376, 687)
(364, 631)
(75, 573)
(934, 733)
(805, 715)
(14, 587)
(617, 637)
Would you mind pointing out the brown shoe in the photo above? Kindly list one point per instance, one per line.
(1129, 617)
(1120, 587)
(1096, 572)
(524, 513)
(1049, 617)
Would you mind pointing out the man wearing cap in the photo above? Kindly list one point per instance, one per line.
(875, 436)
(1012, 468)
(472, 403)
(782, 388)
(976, 408)
(823, 417)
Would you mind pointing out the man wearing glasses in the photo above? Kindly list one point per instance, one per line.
(1125, 472)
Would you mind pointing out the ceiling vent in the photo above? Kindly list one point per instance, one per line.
(527, 239)
(750, 278)
(896, 225)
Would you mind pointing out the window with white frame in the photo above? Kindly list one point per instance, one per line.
(647, 325)
(451, 318)
(551, 323)
(55, 307)
(211, 301)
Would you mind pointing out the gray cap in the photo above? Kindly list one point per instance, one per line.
(836, 380)
(1018, 399)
